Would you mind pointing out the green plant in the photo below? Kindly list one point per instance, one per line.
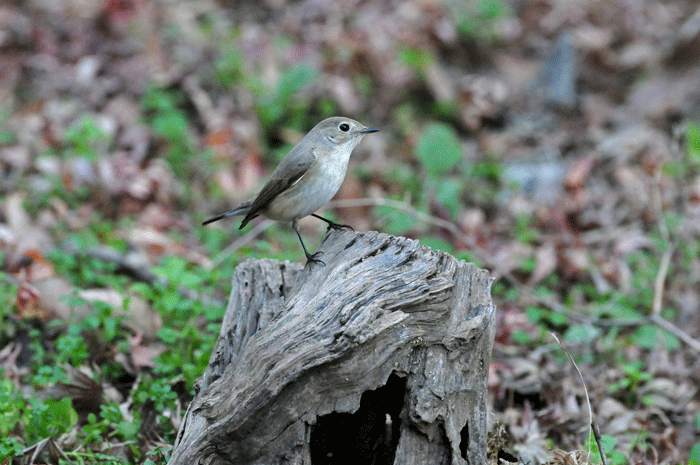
(395, 221)
(85, 271)
(71, 347)
(438, 149)
(157, 390)
(168, 120)
(609, 443)
(634, 377)
(7, 136)
(694, 454)
(416, 58)
(545, 315)
(85, 138)
(11, 405)
(284, 104)
(90, 458)
(692, 141)
(524, 232)
(8, 307)
(478, 20)
(111, 423)
(49, 418)
(228, 67)
(689, 164)
(189, 345)
(10, 447)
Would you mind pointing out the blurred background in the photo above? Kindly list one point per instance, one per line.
(555, 143)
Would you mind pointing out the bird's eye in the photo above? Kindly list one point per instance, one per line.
(344, 127)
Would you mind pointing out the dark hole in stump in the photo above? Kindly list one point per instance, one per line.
(369, 436)
(464, 441)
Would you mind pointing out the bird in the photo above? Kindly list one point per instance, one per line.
(306, 178)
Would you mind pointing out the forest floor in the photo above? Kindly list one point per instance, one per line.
(555, 143)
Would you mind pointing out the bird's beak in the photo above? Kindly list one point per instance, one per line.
(367, 130)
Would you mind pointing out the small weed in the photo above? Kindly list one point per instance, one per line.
(168, 120)
(609, 443)
(10, 447)
(86, 139)
(285, 103)
(438, 149)
(7, 136)
(229, 67)
(49, 418)
(110, 423)
(478, 20)
(635, 376)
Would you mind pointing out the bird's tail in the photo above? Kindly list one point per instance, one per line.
(242, 209)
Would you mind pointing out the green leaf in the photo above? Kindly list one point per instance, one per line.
(438, 149)
(448, 193)
(694, 455)
(437, 244)
(127, 430)
(581, 333)
(11, 405)
(534, 314)
(616, 458)
(398, 221)
(51, 418)
(692, 140)
(190, 280)
(521, 337)
(293, 80)
(10, 447)
(558, 319)
(229, 67)
(608, 442)
(649, 336)
(416, 58)
(168, 335)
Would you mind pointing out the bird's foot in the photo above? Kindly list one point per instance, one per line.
(336, 226)
(312, 258)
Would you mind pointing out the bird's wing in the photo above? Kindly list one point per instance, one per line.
(289, 171)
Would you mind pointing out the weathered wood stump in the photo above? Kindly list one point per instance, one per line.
(379, 357)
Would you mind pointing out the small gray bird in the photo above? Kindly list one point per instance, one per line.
(306, 178)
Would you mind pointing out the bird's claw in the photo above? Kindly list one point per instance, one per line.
(311, 258)
(337, 226)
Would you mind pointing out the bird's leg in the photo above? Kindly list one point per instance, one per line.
(310, 258)
(332, 224)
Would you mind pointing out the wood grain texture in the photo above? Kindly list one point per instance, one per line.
(299, 343)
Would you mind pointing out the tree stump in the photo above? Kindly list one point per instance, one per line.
(379, 357)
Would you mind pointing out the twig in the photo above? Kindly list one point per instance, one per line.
(592, 425)
(241, 241)
(404, 207)
(675, 330)
(599, 441)
(660, 281)
(666, 258)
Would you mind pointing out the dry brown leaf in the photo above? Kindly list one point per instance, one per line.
(578, 172)
(143, 355)
(28, 302)
(545, 262)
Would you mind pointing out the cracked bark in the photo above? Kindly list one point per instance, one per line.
(381, 356)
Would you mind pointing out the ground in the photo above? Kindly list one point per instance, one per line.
(554, 143)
